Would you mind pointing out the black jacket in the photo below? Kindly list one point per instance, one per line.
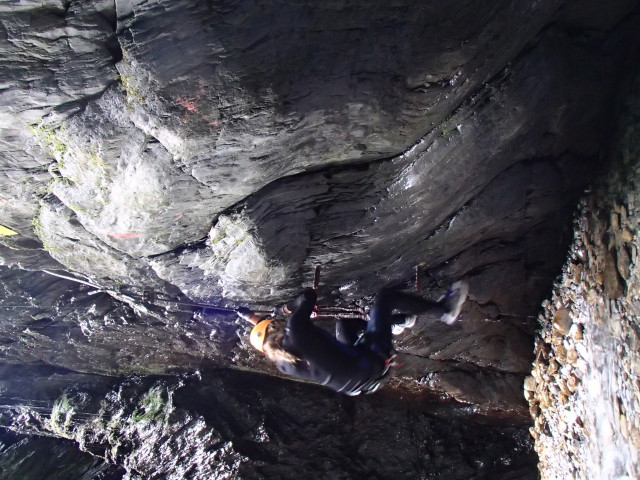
(324, 359)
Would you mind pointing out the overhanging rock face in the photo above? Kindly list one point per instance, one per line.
(220, 151)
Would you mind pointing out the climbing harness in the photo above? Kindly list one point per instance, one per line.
(355, 313)
(377, 381)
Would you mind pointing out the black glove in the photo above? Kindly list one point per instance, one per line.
(310, 292)
(308, 295)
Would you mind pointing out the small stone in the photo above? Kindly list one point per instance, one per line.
(634, 434)
(577, 274)
(615, 221)
(623, 261)
(562, 321)
(564, 389)
(572, 382)
(624, 428)
(553, 367)
(544, 401)
(530, 384)
(535, 373)
(571, 356)
(626, 236)
(612, 284)
(534, 411)
(561, 354)
(576, 331)
(541, 349)
(620, 208)
(562, 426)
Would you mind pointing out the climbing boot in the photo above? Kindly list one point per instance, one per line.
(453, 300)
(409, 321)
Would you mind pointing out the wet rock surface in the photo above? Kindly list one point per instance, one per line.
(226, 425)
(217, 152)
(584, 392)
(22, 457)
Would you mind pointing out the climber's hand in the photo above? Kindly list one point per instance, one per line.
(281, 311)
(308, 295)
(245, 314)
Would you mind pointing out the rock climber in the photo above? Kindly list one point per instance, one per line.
(346, 363)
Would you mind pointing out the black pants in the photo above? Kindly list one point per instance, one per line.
(378, 335)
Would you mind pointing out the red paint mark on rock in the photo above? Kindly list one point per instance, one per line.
(123, 235)
(188, 104)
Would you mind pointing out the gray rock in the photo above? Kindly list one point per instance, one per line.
(246, 426)
(217, 152)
